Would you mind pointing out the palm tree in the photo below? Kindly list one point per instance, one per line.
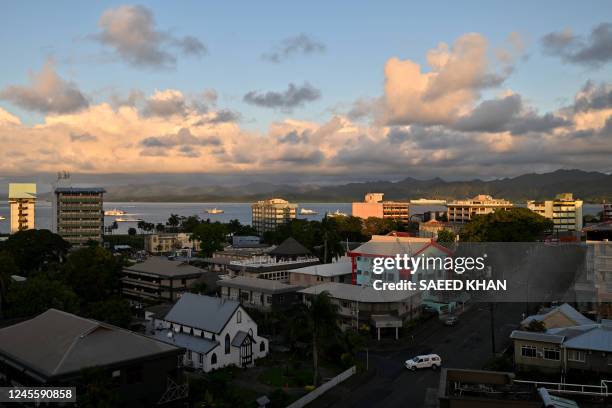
(320, 317)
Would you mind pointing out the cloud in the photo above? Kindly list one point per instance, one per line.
(293, 97)
(451, 87)
(131, 32)
(182, 137)
(82, 137)
(491, 115)
(47, 93)
(593, 96)
(594, 51)
(165, 103)
(299, 44)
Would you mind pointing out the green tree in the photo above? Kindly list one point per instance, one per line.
(114, 311)
(234, 227)
(132, 231)
(160, 227)
(319, 317)
(38, 294)
(35, 250)
(513, 225)
(93, 273)
(381, 226)
(446, 237)
(8, 268)
(536, 326)
(212, 237)
(174, 220)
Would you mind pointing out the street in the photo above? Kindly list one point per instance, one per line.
(467, 345)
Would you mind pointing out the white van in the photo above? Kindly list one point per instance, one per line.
(432, 361)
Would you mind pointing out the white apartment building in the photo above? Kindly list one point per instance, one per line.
(22, 202)
(168, 242)
(564, 211)
(462, 211)
(269, 214)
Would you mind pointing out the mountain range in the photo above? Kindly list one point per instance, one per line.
(588, 186)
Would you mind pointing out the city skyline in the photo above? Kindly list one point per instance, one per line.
(460, 92)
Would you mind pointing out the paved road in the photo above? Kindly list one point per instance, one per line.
(467, 345)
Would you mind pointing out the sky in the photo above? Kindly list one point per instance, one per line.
(305, 91)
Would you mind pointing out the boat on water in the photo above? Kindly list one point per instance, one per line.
(306, 211)
(213, 211)
(337, 213)
(2, 218)
(121, 219)
(114, 212)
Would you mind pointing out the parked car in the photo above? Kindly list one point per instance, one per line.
(451, 320)
(432, 361)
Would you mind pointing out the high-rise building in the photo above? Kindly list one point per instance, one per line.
(269, 214)
(374, 206)
(462, 211)
(564, 211)
(78, 215)
(22, 201)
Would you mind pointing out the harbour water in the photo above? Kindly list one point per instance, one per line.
(159, 212)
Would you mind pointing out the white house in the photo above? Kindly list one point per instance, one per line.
(215, 332)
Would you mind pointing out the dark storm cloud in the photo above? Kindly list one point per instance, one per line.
(293, 97)
(183, 137)
(594, 51)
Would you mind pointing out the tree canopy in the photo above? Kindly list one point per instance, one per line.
(513, 225)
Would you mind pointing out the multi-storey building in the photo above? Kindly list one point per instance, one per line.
(564, 211)
(462, 211)
(78, 216)
(606, 214)
(269, 214)
(22, 201)
(374, 206)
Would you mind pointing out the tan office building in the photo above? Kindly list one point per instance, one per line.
(564, 211)
(22, 202)
(78, 214)
(269, 214)
(374, 206)
(462, 211)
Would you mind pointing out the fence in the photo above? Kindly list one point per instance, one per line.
(317, 392)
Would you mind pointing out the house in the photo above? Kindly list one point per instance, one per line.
(164, 243)
(258, 293)
(215, 332)
(561, 316)
(584, 348)
(363, 305)
(157, 280)
(54, 348)
(340, 271)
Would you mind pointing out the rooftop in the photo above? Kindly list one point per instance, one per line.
(564, 309)
(197, 344)
(326, 270)
(290, 247)
(95, 190)
(22, 190)
(264, 285)
(72, 343)
(536, 336)
(363, 294)
(202, 312)
(387, 245)
(158, 265)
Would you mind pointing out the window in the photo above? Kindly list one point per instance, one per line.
(213, 359)
(227, 343)
(189, 355)
(528, 351)
(262, 346)
(239, 317)
(576, 355)
(201, 359)
(551, 354)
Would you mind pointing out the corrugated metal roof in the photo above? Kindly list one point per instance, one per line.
(536, 336)
(356, 293)
(96, 190)
(72, 343)
(327, 270)
(566, 310)
(193, 343)
(239, 338)
(158, 265)
(202, 312)
(264, 285)
(597, 339)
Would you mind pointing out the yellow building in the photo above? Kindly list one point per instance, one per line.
(269, 214)
(564, 211)
(22, 202)
(374, 206)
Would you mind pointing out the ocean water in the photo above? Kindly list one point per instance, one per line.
(159, 212)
